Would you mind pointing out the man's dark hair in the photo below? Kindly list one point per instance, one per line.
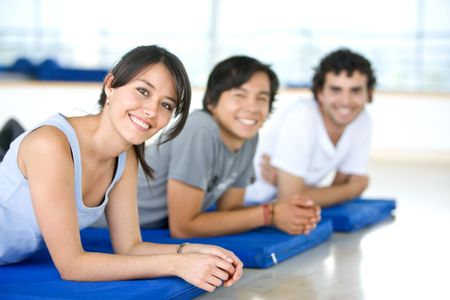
(234, 72)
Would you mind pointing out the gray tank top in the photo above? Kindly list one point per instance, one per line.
(20, 235)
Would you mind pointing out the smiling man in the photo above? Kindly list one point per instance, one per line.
(211, 162)
(311, 139)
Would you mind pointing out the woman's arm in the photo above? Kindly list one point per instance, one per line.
(45, 160)
(122, 218)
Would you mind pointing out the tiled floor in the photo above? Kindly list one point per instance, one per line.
(406, 257)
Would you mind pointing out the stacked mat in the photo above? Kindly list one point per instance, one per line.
(50, 70)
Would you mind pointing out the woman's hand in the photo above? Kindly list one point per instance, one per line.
(234, 272)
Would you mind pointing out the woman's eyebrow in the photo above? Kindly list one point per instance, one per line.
(153, 87)
(146, 82)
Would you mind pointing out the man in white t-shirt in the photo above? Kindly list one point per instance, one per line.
(310, 139)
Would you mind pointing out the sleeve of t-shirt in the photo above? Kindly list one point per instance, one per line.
(356, 160)
(293, 143)
(192, 157)
(247, 176)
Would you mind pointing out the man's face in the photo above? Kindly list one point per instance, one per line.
(241, 111)
(342, 97)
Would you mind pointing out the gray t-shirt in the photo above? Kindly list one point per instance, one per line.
(197, 157)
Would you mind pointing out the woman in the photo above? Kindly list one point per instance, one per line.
(59, 177)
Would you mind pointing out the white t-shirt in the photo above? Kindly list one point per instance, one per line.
(298, 143)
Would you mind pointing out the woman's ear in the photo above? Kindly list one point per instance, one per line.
(107, 84)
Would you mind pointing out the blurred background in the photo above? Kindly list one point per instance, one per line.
(408, 42)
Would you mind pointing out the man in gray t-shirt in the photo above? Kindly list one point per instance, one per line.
(197, 157)
(210, 162)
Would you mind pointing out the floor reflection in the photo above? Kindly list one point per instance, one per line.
(406, 257)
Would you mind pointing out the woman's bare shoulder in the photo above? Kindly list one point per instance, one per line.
(46, 143)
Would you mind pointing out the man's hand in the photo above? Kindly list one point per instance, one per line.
(296, 215)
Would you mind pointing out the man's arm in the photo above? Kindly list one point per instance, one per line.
(186, 219)
(344, 187)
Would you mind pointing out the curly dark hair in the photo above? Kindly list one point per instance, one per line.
(343, 60)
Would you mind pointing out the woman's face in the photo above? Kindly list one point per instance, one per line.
(139, 109)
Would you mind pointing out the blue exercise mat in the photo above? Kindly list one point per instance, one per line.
(358, 213)
(258, 248)
(37, 278)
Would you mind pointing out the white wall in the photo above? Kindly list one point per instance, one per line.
(406, 126)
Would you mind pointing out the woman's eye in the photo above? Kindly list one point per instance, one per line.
(143, 92)
(167, 106)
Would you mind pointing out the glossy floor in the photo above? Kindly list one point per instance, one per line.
(406, 257)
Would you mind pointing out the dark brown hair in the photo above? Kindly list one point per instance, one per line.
(234, 72)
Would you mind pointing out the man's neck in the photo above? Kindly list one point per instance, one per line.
(334, 131)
